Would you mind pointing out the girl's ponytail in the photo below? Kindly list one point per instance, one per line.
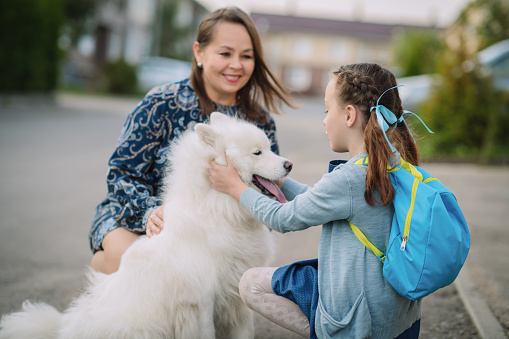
(378, 159)
(403, 139)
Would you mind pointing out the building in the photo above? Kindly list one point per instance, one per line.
(126, 29)
(302, 51)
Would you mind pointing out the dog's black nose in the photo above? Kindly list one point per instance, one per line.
(288, 165)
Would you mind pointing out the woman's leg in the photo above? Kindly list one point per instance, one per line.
(256, 291)
(114, 244)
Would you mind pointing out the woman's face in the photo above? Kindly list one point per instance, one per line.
(228, 62)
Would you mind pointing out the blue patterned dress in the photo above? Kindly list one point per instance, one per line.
(136, 167)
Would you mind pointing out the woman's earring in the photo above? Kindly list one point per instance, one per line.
(199, 64)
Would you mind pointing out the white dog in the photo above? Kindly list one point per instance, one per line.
(182, 283)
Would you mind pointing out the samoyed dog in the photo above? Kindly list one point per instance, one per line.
(182, 283)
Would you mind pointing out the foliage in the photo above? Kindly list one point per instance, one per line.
(494, 26)
(465, 111)
(120, 77)
(76, 13)
(30, 56)
(172, 42)
(417, 51)
(469, 116)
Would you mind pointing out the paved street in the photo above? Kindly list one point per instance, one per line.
(53, 159)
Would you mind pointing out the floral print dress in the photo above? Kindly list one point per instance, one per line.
(136, 168)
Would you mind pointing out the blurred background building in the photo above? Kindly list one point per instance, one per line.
(455, 71)
(302, 51)
(134, 31)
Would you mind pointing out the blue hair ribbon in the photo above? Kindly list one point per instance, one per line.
(385, 117)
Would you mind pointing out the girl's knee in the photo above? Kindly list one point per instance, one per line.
(256, 282)
(244, 286)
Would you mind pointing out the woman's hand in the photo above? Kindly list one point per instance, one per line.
(155, 222)
(226, 179)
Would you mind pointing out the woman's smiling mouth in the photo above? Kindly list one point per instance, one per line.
(231, 78)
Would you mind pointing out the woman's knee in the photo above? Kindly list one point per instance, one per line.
(115, 244)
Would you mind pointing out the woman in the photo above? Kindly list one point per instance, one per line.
(228, 75)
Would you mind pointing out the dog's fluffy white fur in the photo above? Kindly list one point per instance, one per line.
(182, 283)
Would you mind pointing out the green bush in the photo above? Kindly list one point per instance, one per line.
(417, 52)
(120, 77)
(468, 115)
(29, 57)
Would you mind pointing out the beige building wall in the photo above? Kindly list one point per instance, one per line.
(304, 61)
(303, 51)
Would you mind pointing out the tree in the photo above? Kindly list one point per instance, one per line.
(469, 115)
(417, 51)
(495, 24)
(30, 56)
(76, 13)
(459, 109)
(173, 35)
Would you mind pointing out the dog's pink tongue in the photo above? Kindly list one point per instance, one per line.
(273, 188)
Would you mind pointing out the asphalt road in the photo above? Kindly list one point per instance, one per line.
(53, 158)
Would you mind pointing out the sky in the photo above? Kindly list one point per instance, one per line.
(413, 12)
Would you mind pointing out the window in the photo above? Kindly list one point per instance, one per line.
(298, 78)
(302, 48)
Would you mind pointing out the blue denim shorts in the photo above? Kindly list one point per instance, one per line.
(298, 282)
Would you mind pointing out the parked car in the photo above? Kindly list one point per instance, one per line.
(494, 59)
(154, 71)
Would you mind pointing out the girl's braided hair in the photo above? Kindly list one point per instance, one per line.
(361, 85)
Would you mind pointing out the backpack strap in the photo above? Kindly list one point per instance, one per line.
(418, 177)
(358, 233)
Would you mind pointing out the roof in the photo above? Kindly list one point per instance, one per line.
(282, 23)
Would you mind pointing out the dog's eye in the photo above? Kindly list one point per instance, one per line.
(257, 153)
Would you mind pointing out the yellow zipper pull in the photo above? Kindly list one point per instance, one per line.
(403, 244)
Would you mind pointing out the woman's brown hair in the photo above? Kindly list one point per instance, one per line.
(262, 84)
(361, 85)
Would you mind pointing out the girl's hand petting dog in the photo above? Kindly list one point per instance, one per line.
(226, 179)
(155, 222)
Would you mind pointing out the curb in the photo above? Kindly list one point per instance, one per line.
(480, 313)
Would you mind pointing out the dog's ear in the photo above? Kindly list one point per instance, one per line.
(209, 137)
(217, 117)
(206, 133)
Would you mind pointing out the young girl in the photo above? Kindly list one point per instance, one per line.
(343, 294)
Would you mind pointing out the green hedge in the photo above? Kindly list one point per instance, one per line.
(469, 116)
(120, 77)
(29, 57)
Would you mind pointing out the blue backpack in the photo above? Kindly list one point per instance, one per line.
(429, 239)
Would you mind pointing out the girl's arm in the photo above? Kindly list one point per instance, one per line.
(330, 199)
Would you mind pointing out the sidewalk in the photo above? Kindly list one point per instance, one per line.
(53, 175)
